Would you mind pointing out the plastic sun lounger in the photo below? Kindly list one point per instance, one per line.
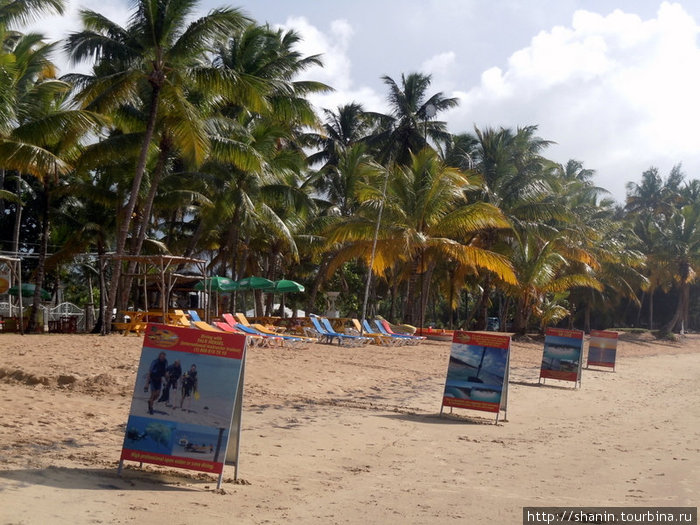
(387, 327)
(322, 333)
(379, 339)
(194, 316)
(252, 331)
(264, 330)
(399, 341)
(205, 326)
(254, 340)
(352, 339)
(328, 335)
(383, 330)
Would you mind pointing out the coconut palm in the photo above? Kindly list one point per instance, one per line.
(426, 219)
(409, 124)
(155, 58)
(680, 241)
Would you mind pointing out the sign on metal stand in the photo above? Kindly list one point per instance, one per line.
(602, 349)
(562, 356)
(186, 407)
(477, 373)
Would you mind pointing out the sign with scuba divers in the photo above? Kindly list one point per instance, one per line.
(188, 390)
(602, 349)
(562, 357)
(477, 374)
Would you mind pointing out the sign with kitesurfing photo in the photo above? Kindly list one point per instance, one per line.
(562, 356)
(477, 374)
(188, 389)
(602, 349)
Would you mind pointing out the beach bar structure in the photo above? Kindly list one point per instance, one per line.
(14, 265)
(159, 268)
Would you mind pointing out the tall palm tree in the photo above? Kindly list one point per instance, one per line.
(409, 124)
(16, 13)
(426, 219)
(158, 54)
(681, 243)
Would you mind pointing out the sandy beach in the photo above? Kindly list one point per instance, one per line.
(348, 435)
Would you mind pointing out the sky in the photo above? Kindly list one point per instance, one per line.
(614, 83)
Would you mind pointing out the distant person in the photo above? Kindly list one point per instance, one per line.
(154, 378)
(172, 376)
(189, 383)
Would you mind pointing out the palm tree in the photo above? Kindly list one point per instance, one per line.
(47, 148)
(681, 243)
(156, 56)
(16, 12)
(409, 125)
(426, 219)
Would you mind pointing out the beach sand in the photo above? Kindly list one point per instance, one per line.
(338, 435)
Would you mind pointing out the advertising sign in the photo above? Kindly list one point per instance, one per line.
(477, 374)
(602, 349)
(562, 355)
(188, 387)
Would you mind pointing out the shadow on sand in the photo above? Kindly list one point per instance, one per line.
(606, 370)
(445, 419)
(98, 479)
(542, 385)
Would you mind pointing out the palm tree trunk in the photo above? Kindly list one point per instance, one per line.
(317, 282)
(651, 309)
(41, 266)
(18, 216)
(683, 296)
(125, 222)
(142, 226)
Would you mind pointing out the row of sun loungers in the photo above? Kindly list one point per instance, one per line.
(321, 330)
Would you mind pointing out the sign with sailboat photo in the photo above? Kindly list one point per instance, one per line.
(477, 374)
(562, 356)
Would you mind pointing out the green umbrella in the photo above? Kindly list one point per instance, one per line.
(285, 286)
(254, 283)
(217, 284)
(28, 291)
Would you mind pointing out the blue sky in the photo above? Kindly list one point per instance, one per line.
(614, 83)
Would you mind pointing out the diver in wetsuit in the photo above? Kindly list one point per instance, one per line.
(189, 383)
(154, 378)
(172, 376)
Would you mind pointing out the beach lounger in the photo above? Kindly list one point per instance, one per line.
(389, 330)
(328, 330)
(252, 331)
(324, 334)
(287, 337)
(194, 316)
(205, 326)
(253, 340)
(379, 339)
(407, 338)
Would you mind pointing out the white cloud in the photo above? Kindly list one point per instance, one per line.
(614, 91)
(333, 47)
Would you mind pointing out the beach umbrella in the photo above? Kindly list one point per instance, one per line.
(28, 291)
(217, 284)
(254, 283)
(284, 286)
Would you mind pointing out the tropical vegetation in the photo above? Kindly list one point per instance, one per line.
(196, 137)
